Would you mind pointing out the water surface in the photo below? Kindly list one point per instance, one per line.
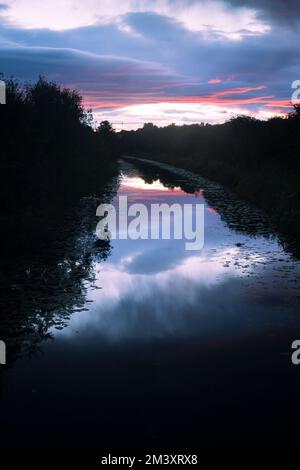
(143, 343)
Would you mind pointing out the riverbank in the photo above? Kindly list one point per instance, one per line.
(55, 170)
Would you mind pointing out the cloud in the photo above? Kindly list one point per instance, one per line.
(201, 15)
(72, 65)
(127, 56)
(282, 12)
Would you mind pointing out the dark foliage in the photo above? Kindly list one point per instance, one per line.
(47, 143)
(50, 155)
(55, 170)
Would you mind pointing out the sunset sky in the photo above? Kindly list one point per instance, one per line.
(164, 61)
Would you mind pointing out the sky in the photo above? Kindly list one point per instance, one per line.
(160, 61)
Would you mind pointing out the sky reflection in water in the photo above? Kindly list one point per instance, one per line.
(151, 289)
(172, 346)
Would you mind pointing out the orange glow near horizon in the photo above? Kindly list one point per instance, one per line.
(126, 99)
(124, 104)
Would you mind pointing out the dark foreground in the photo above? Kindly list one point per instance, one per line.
(180, 395)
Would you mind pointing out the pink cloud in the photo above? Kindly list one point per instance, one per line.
(214, 80)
